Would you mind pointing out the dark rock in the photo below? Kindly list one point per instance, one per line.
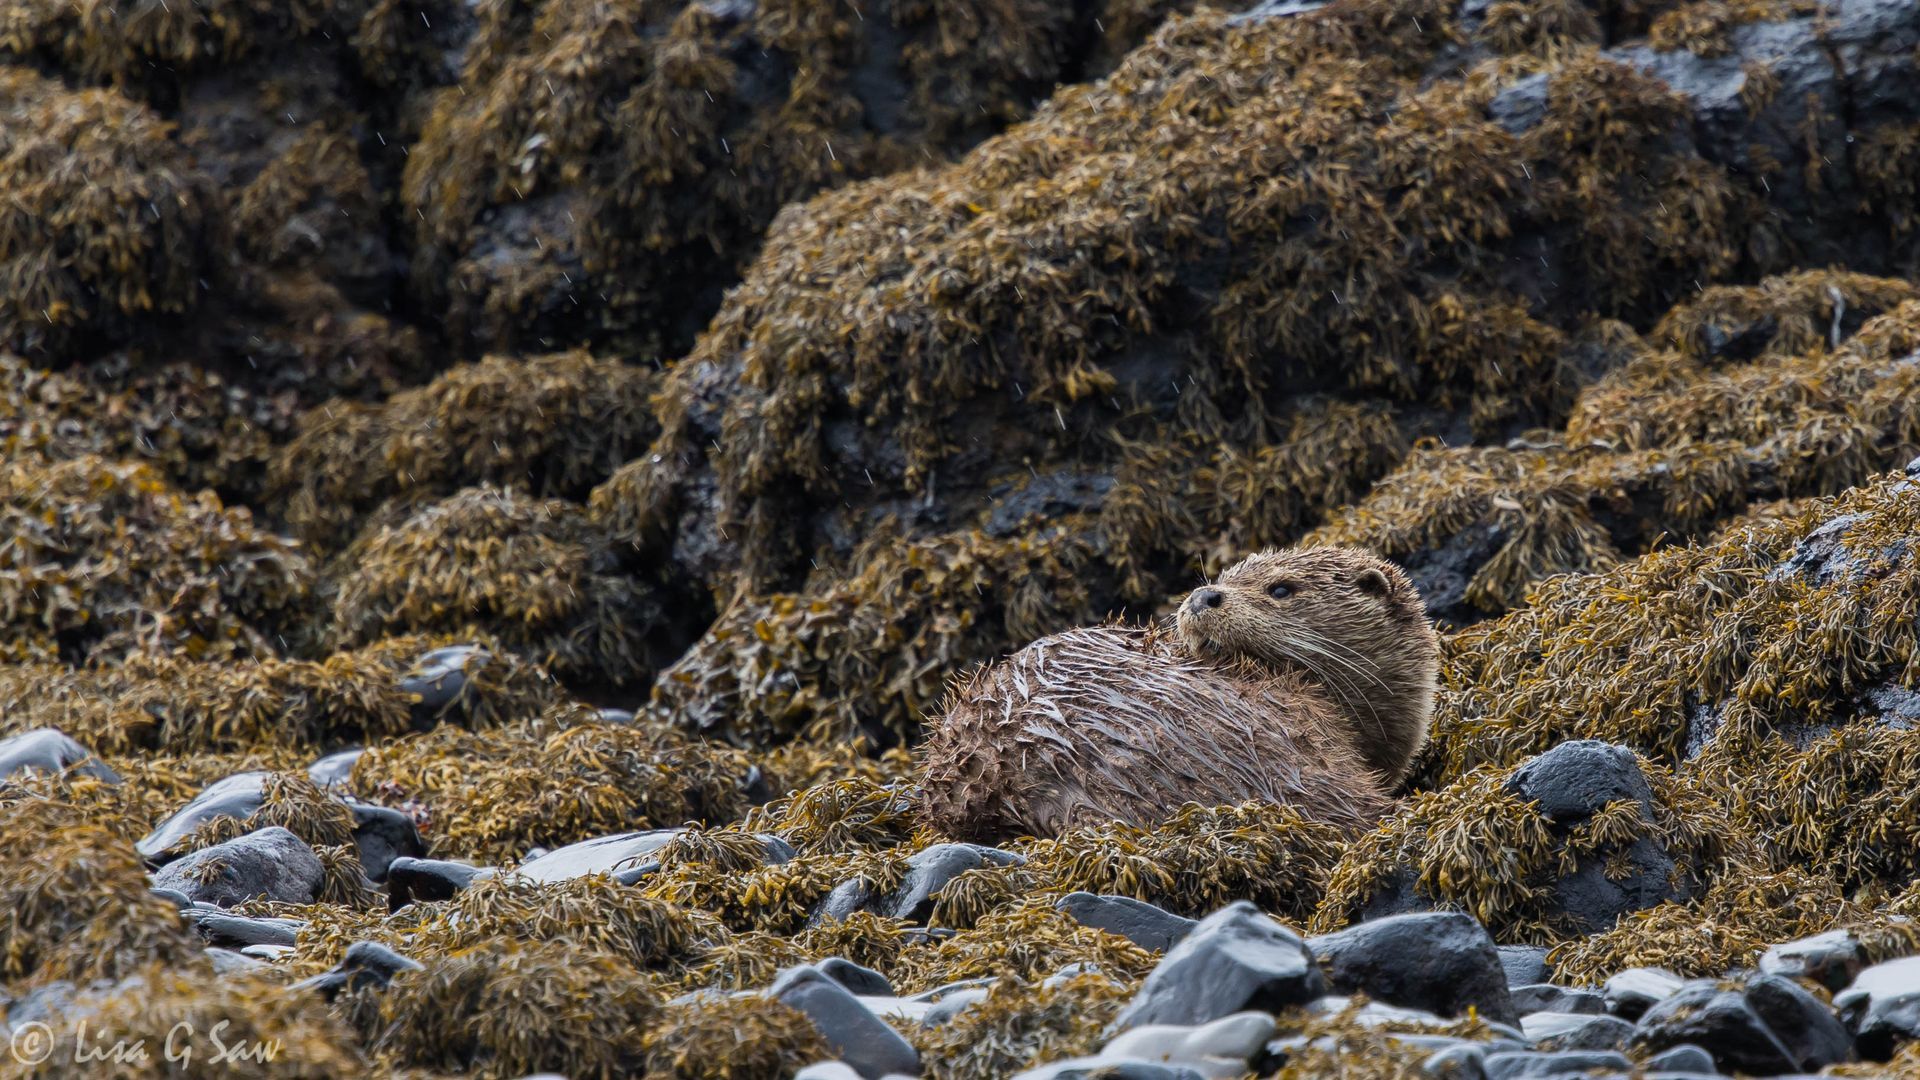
(1831, 959)
(410, 880)
(929, 871)
(1525, 965)
(600, 855)
(1882, 1006)
(860, 1038)
(438, 682)
(1515, 1065)
(1235, 959)
(1141, 923)
(863, 981)
(1632, 992)
(336, 769)
(846, 898)
(1546, 997)
(1577, 779)
(238, 931)
(381, 835)
(1767, 1027)
(1520, 105)
(1685, 1058)
(1576, 1031)
(271, 864)
(367, 964)
(1442, 961)
(50, 752)
(174, 896)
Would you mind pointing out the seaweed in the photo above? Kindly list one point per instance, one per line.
(1019, 1025)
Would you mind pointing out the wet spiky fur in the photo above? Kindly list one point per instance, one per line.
(1318, 700)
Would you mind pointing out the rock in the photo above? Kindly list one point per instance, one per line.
(1141, 923)
(1576, 779)
(380, 836)
(271, 864)
(1514, 1065)
(1104, 1069)
(367, 964)
(173, 896)
(622, 852)
(410, 880)
(828, 1070)
(237, 931)
(1766, 1027)
(1546, 997)
(952, 1005)
(1633, 991)
(929, 871)
(1525, 965)
(1235, 959)
(1461, 1061)
(614, 716)
(1442, 961)
(50, 752)
(1685, 1058)
(228, 962)
(1832, 959)
(862, 1040)
(437, 682)
(1882, 1006)
(862, 981)
(1219, 1050)
(1576, 1031)
(335, 770)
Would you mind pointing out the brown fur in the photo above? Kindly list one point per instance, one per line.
(1319, 699)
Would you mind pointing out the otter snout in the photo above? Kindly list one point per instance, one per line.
(1202, 599)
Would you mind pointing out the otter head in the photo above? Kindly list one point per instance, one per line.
(1348, 620)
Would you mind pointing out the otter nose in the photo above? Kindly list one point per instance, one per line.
(1206, 598)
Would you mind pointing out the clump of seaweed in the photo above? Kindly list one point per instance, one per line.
(202, 582)
(1020, 1025)
(732, 1039)
(537, 576)
(76, 897)
(106, 220)
(1028, 940)
(500, 1010)
(553, 780)
(552, 426)
(290, 800)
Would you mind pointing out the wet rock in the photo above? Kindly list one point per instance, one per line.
(863, 981)
(1443, 962)
(1631, 992)
(952, 1005)
(380, 836)
(1685, 1058)
(1882, 1006)
(1579, 778)
(271, 864)
(227, 962)
(929, 871)
(238, 931)
(862, 1040)
(1525, 965)
(335, 770)
(1766, 1027)
(1235, 959)
(410, 880)
(1517, 1065)
(174, 896)
(622, 853)
(367, 964)
(1546, 997)
(1221, 1049)
(1460, 1061)
(1576, 1031)
(438, 680)
(1832, 959)
(50, 752)
(1141, 923)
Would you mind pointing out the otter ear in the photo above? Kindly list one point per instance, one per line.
(1372, 582)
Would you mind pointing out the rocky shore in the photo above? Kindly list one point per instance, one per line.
(493, 491)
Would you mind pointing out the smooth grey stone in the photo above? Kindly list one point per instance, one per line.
(1831, 959)
(1767, 1027)
(930, 870)
(862, 981)
(1143, 924)
(438, 682)
(1882, 1006)
(380, 836)
(238, 931)
(1576, 1031)
(1525, 965)
(175, 897)
(1528, 1063)
(1577, 779)
(366, 965)
(1236, 959)
(411, 880)
(229, 962)
(850, 1029)
(1633, 991)
(1441, 961)
(1546, 997)
(336, 769)
(270, 863)
(600, 855)
(50, 752)
(828, 1070)
(1685, 1058)
(1461, 1061)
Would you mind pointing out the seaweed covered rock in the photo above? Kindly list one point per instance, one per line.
(538, 576)
(270, 864)
(553, 426)
(204, 580)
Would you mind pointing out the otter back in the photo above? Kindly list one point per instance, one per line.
(1118, 724)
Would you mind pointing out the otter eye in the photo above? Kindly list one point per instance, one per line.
(1281, 591)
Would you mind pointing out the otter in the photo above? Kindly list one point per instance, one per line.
(1303, 676)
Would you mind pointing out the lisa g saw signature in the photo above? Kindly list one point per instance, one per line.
(34, 1043)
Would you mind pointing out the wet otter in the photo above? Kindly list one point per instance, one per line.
(1302, 676)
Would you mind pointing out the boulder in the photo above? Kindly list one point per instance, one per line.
(1441, 961)
(1235, 959)
(1141, 923)
(851, 1030)
(270, 864)
(1766, 1026)
(50, 752)
(1882, 1006)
